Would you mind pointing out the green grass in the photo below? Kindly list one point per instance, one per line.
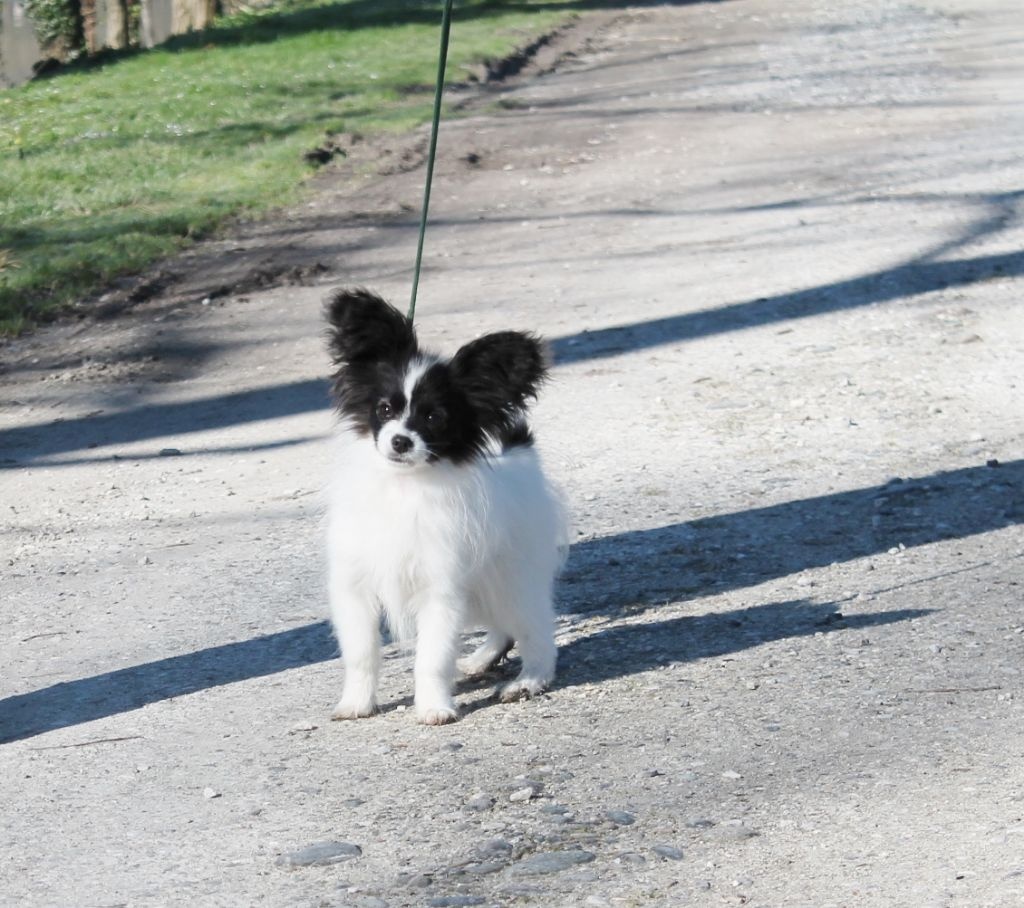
(108, 166)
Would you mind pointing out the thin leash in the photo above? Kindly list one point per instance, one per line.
(446, 16)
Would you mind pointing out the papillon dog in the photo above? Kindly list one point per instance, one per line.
(439, 515)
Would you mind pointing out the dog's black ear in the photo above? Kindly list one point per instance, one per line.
(498, 373)
(363, 327)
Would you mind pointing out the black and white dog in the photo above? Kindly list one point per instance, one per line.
(440, 517)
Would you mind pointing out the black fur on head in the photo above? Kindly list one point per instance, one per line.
(372, 344)
(454, 407)
(365, 327)
(499, 373)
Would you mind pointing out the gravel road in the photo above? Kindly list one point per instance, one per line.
(776, 246)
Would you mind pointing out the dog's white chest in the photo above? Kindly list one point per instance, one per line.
(399, 534)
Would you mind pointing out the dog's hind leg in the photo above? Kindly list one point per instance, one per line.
(535, 640)
(539, 658)
(494, 648)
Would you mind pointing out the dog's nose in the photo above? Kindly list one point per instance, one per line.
(401, 443)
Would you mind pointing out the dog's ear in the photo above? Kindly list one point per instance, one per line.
(363, 327)
(498, 373)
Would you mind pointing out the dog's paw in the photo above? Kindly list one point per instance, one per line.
(470, 667)
(436, 715)
(347, 710)
(521, 689)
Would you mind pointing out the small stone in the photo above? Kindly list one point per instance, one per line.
(494, 848)
(210, 793)
(632, 857)
(700, 823)
(402, 879)
(669, 852)
(455, 901)
(170, 452)
(620, 817)
(734, 833)
(523, 794)
(420, 881)
(319, 854)
(485, 867)
(480, 802)
(145, 559)
(302, 726)
(731, 774)
(551, 862)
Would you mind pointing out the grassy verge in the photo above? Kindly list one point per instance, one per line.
(107, 167)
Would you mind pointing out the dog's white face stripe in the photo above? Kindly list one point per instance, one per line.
(418, 453)
(415, 373)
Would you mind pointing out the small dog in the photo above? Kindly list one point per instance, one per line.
(439, 514)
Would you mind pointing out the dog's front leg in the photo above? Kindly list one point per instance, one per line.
(438, 624)
(357, 624)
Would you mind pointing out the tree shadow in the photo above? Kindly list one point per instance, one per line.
(285, 20)
(910, 279)
(926, 272)
(207, 450)
(922, 275)
(733, 551)
(620, 575)
(86, 699)
(628, 649)
(23, 445)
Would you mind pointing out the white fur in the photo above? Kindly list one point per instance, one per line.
(437, 548)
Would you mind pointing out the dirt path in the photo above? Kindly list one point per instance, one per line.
(777, 249)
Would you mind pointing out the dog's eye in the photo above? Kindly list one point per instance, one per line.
(435, 419)
(384, 410)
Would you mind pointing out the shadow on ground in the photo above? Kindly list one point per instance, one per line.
(266, 26)
(739, 550)
(615, 575)
(627, 649)
(910, 279)
(26, 444)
